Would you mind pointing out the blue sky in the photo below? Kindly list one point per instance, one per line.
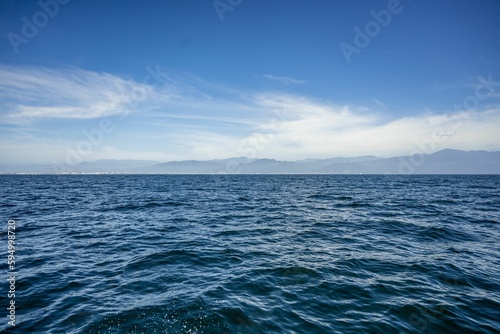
(202, 79)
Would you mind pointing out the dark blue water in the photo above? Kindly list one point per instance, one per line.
(253, 254)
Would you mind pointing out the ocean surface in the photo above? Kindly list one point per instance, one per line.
(252, 253)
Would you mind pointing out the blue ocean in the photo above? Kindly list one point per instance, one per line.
(252, 253)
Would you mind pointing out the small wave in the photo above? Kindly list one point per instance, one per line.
(159, 259)
(444, 233)
(321, 196)
(289, 272)
(142, 206)
(354, 205)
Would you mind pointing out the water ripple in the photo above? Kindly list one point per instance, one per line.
(255, 254)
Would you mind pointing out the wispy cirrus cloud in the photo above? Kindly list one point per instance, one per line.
(379, 103)
(37, 92)
(287, 81)
(485, 85)
(185, 117)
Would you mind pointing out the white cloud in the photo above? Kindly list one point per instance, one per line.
(179, 120)
(283, 80)
(326, 131)
(35, 92)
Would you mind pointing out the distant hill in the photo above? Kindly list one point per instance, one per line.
(447, 161)
(443, 162)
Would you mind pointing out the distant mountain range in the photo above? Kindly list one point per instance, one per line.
(447, 161)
